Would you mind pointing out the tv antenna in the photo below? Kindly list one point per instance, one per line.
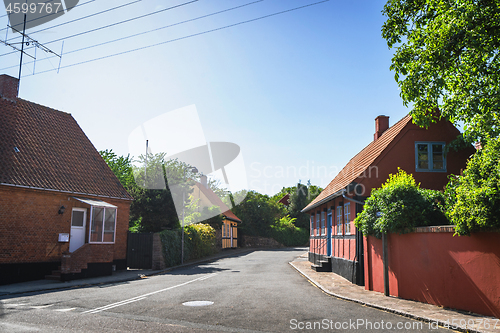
(27, 40)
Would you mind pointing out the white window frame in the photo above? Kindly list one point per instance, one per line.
(347, 218)
(103, 217)
(318, 230)
(339, 220)
(312, 224)
(429, 156)
(323, 223)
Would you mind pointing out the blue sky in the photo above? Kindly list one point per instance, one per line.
(298, 92)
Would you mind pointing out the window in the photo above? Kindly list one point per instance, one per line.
(429, 156)
(312, 224)
(339, 220)
(102, 225)
(323, 229)
(347, 218)
(317, 224)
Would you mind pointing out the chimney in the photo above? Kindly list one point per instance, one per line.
(8, 87)
(381, 125)
(204, 181)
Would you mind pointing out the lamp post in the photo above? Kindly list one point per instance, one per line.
(194, 170)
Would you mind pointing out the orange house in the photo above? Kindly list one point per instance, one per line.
(63, 212)
(335, 244)
(207, 198)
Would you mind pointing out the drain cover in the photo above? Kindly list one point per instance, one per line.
(198, 303)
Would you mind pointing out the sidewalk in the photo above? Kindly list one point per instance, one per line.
(337, 286)
(117, 277)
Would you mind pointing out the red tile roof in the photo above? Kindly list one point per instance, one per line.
(44, 148)
(359, 163)
(216, 201)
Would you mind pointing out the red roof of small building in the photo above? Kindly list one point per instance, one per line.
(360, 163)
(285, 200)
(46, 149)
(216, 201)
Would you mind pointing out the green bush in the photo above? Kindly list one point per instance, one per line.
(285, 232)
(473, 199)
(399, 206)
(199, 242)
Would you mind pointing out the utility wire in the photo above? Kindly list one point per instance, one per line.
(85, 17)
(54, 13)
(134, 35)
(121, 22)
(185, 37)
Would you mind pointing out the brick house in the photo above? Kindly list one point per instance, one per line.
(60, 204)
(335, 244)
(207, 198)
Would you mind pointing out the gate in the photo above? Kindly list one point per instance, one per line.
(140, 250)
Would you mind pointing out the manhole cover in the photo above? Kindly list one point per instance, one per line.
(198, 303)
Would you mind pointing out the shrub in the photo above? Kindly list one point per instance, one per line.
(400, 205)
(473, 199)
(285, 232)
(199, 242)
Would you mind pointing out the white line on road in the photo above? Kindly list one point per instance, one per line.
(141, 297)
(65, 310)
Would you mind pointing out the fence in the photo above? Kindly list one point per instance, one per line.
(432, 266)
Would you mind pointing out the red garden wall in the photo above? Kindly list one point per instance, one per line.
(434, 267)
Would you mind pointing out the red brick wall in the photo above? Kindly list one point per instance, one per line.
(88, 253)
(30, 224)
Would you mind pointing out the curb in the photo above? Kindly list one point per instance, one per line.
(383, 308)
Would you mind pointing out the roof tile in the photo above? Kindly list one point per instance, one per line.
(54, 152)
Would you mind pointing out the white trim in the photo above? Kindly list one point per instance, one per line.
(103, 217)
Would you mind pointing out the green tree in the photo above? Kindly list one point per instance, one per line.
(473, 200)
(447, 61)
(399, 206)
(258, 212)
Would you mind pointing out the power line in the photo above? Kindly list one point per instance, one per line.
(185, 37)
(140, 33)
(116, 23)
(54, 13)
(85, 17)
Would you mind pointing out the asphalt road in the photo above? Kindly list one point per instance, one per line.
(254, 292)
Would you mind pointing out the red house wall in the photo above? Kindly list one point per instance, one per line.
(342, 247)
(30, 224)
(401, 153)
(435, 267)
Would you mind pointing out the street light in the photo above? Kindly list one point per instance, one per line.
(194, 170)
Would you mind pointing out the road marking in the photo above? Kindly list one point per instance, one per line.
(65, 310)
(141, 297)
(40, 306)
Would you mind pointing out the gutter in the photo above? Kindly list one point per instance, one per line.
(330, 197)
(319, 203)
(351, 199)
(61, 191)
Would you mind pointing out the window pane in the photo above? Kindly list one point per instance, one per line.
(423, 156)
(109, 225)
(96, 228)
(77, 219)
(437, 157)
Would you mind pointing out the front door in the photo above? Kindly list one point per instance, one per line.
(329, 234)
(77, 236)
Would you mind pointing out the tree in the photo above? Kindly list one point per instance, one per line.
(399, 206)
(447, 61)
(473, 200)
(258, 212)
